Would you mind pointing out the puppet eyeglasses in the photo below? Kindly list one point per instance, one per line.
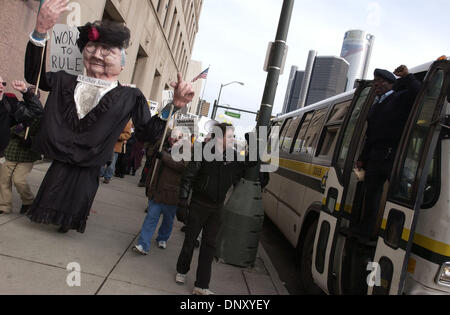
(92, 49)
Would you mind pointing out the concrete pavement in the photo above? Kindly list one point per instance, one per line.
(34, 258)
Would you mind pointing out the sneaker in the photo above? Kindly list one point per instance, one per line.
(106, 181)
(180, 278)
(199, 291)
(140, 250)
(162, 244)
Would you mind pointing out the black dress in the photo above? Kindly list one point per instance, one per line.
(79, 147)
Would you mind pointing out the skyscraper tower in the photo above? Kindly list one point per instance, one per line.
(328, 78)
(289, 89)
(307, 78)
(357, 50)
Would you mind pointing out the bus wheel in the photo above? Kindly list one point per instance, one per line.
(306, 258)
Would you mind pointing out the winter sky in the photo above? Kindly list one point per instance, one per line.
(234, 34)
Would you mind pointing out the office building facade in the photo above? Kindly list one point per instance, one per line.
(162, 37)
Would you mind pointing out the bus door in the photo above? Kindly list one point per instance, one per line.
(408, 181)
(336, 184)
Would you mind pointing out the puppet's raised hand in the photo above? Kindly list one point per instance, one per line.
(49, 14)
(183, 93)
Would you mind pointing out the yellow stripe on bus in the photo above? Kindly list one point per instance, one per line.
(319, 172)
(309, 169)
(423, 241)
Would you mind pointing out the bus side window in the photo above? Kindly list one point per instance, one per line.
(405, 188)
(448, 93)
(313, 132)
(302, 133)
(290, 134)
(433, 185)
(284, 130)
(331, 131)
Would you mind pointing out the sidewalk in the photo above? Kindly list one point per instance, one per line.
(34, 258)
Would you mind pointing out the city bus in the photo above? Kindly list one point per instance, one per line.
(315, 196)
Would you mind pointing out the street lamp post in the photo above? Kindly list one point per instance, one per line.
(214, 112)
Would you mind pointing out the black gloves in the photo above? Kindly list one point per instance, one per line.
(26, 143)
(158, 155)
(183, 211)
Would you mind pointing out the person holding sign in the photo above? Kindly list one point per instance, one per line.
(19, 157)
(85, 115)
(13, 112)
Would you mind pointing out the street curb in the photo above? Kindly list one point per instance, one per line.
(278, 284)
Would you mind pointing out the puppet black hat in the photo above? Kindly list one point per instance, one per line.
(386, 75)
(106, 32)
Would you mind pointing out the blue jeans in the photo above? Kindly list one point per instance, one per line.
(108, 172)
(151, 222)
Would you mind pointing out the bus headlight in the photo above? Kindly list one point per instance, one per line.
(444, 275)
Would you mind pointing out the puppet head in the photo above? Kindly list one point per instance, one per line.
(103, 46)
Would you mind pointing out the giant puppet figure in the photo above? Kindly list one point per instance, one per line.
(84, 117)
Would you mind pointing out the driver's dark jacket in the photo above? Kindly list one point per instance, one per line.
(210, 181)
(386, 121)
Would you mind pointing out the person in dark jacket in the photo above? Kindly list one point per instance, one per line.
(13, 112)
(136, 155)
(19, 156)
(112, 165)
(125, 156)
(162, 193)
(209, 180)
(146, 169)
(386, 121)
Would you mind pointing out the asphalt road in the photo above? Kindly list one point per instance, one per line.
(282, 255)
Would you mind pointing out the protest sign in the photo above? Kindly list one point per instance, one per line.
(64, 52)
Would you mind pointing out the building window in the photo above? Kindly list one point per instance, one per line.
(155, 94)
(174, 42)
(167, 14)
(139, 67)
(172, 26)
(158, 7)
